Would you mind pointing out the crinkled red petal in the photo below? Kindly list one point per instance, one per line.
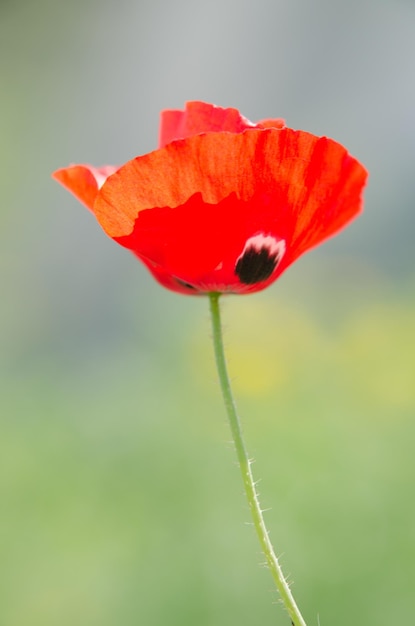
(200, 117)
(84, 181)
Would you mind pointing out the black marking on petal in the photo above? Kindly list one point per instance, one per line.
(255, 266)
(260, 257)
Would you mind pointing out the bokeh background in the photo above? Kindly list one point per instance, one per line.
(120, 499)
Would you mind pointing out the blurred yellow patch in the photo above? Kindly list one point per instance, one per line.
(264, 343)
(377, 353)
(368, 360)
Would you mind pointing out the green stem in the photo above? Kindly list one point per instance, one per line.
(245, 466)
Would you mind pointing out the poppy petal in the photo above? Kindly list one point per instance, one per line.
(84, 181)
(200, 117)
(331, 196)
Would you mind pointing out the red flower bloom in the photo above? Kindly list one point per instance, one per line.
(223, 204)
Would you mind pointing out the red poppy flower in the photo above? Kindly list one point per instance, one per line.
(223, 205)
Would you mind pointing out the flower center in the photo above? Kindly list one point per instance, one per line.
(259, 258)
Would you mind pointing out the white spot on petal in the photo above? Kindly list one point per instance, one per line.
(269, 242)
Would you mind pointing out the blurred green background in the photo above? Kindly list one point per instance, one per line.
(120, 499)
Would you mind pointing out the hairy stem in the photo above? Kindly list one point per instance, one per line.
(245, 467)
